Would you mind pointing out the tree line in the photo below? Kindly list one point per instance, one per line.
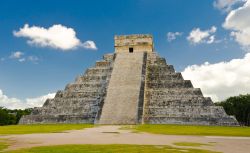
(10, 117)
(238, 106)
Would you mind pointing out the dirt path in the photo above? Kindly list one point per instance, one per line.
(113, 135)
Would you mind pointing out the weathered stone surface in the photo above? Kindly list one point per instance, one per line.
(132, 86)
(123, 94)
(139, 43)
(169, 99)
(81, 100)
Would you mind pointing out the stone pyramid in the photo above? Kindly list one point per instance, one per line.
(132, 86)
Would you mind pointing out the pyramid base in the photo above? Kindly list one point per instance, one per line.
(55, 119)
(224, 121)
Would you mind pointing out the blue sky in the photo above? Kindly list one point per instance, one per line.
(47, 69)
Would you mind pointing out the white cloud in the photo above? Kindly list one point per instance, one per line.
(15, 103)
(56, 36)
(22, 60)
(211, 39)
(33, 59)
(198, 36)
(226, 5)
(39, 101)
(221, 80)
(19, 56)
(16, 55)
(89, 45)
(238, 21)
(173, 35)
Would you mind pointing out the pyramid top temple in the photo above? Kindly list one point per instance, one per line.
(134, 43)
(134, 85)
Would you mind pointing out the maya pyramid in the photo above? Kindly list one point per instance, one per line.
(134, 85)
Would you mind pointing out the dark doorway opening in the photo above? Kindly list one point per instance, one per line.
(131, 50)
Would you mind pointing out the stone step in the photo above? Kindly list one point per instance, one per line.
(76, 87)
(71, 99)
(222, 121)
(189, 111)
(171, 84)
(71, 103)
(79, 99)
(98, 74)
(74, 94)
(85, 89)
(175, 91)
(156, 60)
(97, 71)
(178, 101)
(102, 64)
(161, 73)
(123, 93)
(174, 81)
(71, 109)
(174, 97)
(51, 119)
(165, 77)
(155, 69)
(109, 57)
(89, 78)
(90, 82)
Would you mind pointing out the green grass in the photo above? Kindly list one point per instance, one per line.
(41, 128)
(109, 149)
(191, 144)
(192, 130)
(3, 145)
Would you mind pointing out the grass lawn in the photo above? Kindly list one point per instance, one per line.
(192, 130)
(41, 128)
(191, 144)
(3, 145)
(109, 149)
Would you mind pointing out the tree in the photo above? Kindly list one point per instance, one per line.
(9, 117)
(239, 106)
(20, 113)
(3, 117)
